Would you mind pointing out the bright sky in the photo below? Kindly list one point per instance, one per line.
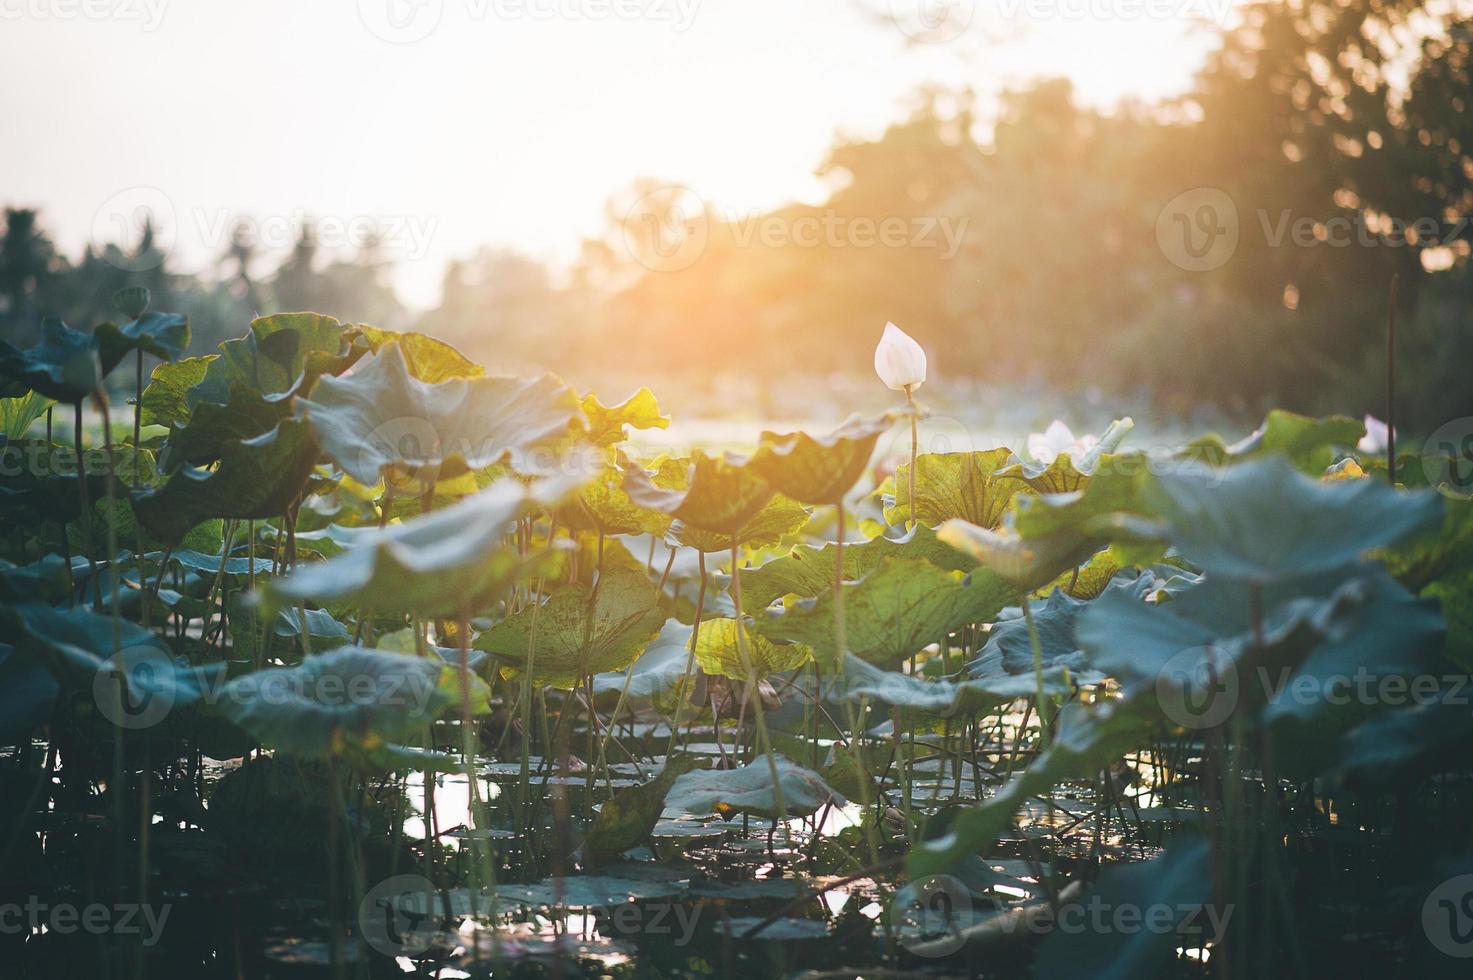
(457, 123)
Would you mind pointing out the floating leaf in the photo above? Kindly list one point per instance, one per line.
(582, 630)
(863, 680)
(256, 478)
(821, 469)
(902, 606)
(381, 418)
(750, 789)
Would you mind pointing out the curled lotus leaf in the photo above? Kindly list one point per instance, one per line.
(976, 487)
(166, 399)
(819, 469)
(437, 564)
(65, 365)
(779, 518)
(720, 494)
(606, 422)
(256, 478)
(1068, 472)
(164, 335)
(603, 505)
(281, 355)
(429, 359)
(380, 419)
(1309, 443)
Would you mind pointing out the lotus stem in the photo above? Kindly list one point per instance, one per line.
(754, 695)
(1391, 382)
(911, 510)
(690, 660)
(1037, 647)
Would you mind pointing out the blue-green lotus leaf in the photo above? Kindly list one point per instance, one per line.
(164, 335)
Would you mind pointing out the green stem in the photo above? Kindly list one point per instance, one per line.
(753, 694)
(911, 510)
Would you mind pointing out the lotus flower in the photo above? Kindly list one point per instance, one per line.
(899, 360)
(1375, 440)
(1058, 440)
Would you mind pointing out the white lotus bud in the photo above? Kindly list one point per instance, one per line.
(899, 360)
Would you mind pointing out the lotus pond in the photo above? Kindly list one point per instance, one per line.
(334, 654)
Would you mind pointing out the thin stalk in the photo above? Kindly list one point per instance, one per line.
(690, 660)
(911, 511)
(84, 521)
(1033, 642)
(1391, 382)
(753, 694)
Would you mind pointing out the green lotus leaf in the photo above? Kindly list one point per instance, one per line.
(964, 486)
(210, 427)
(819, 469)
(1178, 880)
(17, 415)
(1309, 443)
(807, 571)
(1026, 564)
(1264, 520)
(658, 669)
(280, 355)
(606, 423)
(627, 820)
(581, 630)
(75, 645)
(1065, 474)
(603, 505)
(429, 359)
(164, 335)
(350, 696)
(779, 518)
(166, 399)
(718, 654)
(720, 494)
(1009, 647)
(750, 789)
(1437, 553)
(1086, 740)
(433, 565)
(381, 419)
(902, 606)
(940, 697)
(256, 478)
(66, 365)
